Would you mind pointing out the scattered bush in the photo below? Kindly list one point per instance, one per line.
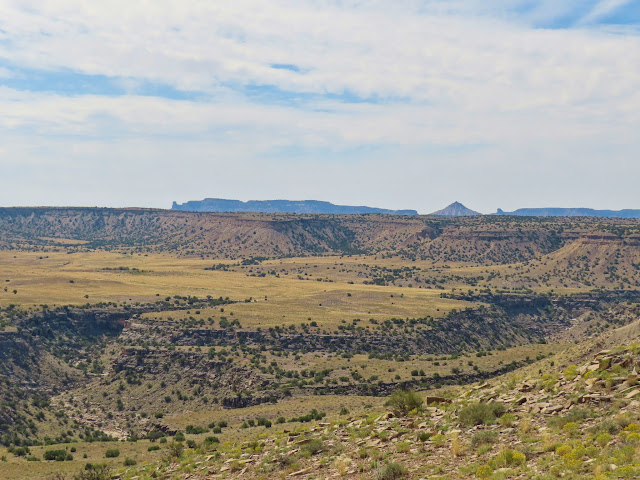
(438, 440)
(94, 472)
(390, 471)
(404, 401)
(112, 453)
(484, 471)
(484, 438)
(57, 455)
(19, 451)
(313, 446)
(481, 413)
(264, 422)
(342, 465)
(576, 415)
(603, 439)
(507, 420)
(508, 458)
(313, 415)
(175, 449)
(195, 430)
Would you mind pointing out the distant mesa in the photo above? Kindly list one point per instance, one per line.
(279, 206)
(456, 209)
(571, 212)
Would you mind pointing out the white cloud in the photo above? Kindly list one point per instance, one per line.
(448, 74)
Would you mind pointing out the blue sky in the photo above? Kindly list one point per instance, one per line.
(409, 104)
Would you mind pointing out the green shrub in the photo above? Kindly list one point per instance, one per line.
(264, 422)
(603, 439)
(195, 430)
(175, 449)
(481, 413)
(484, 471)
(57, 455)
(313, 446)
(606, 426)
(484, 438)
(576, 415)
(19, 451)
(94, 472)
(438, 440)
(404, 401)
(285, 460)
(112, 453)
(153, 448)
(507, 420)
(390, 471)
(508, 458)
(129, 462)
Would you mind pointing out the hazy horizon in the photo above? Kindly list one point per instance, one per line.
(409, 207)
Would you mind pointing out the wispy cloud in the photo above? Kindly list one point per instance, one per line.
(436, 82)
(604, 8)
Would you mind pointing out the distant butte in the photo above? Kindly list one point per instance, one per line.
(280, 206)
(456, 209)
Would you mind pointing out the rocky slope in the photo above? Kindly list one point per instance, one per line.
(552, 420)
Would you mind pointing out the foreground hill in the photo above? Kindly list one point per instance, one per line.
(574, 415)
(580, 421)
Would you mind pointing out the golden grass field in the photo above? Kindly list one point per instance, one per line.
(328, 290)
(80, 278)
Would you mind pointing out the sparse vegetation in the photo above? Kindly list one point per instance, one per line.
(182, 322)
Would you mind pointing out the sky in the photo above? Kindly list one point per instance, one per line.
(403, 104)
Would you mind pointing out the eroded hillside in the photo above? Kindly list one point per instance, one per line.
(485, 240)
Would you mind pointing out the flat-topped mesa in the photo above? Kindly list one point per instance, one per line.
(571, 212)
(280, 206)
(456, 209)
